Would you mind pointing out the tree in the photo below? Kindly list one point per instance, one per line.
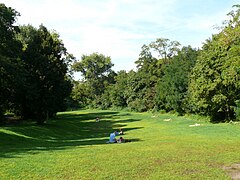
(148, 72)
(45, 59)
(10, 67)
(215, 84)
(80, 93)
(165, 48)
(173, 85)
(115, 94)
(96, 71)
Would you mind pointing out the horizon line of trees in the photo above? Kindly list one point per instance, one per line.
(36, 82)
(204, 81)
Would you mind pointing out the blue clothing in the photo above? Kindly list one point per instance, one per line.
(112, 138)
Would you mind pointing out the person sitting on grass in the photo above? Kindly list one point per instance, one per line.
(121, 131)
(113, 137)
(120, 140)
(97, 119)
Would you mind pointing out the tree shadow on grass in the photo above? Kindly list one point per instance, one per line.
(127, 120)
(67, 131)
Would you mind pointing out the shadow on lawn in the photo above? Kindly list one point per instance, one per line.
(68, 130)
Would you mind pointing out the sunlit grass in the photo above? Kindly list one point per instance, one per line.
(73, 146)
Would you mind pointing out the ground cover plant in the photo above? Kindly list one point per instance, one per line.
(163, 146)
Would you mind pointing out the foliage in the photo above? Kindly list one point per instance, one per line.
(165, 48)
(140, 87)
(215, 84)
(45, 61)
(173, 85)
(95, 68)
(10, 49)
(237, 110)
(118, 91)
(80, 94)
(134, 92)
(97, 73)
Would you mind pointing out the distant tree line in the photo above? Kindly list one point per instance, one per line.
(205, 81)
(35, 81)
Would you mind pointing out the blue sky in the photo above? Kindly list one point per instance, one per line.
(119, 28)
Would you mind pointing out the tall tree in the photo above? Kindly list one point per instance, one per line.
(215, 84)
(80, 93)
(165, 48)
(148, 72)
(10, 48)
(173, 85)
(45, 59)
(115, 94)
(96, 71)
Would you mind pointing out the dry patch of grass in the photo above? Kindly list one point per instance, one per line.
(233, 171)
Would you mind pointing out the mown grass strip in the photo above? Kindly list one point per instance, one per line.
(162, 146)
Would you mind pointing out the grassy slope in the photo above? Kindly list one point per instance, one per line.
(74, 147)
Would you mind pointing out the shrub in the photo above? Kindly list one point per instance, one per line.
(237, 109)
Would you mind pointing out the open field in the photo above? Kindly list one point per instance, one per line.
(162, 146)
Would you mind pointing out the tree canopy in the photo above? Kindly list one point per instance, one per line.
(47, 85)
(34, 69)
(97, 73)
(215, 84)
(10, 51)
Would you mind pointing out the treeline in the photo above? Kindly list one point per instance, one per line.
(35, 68)
(205, 81)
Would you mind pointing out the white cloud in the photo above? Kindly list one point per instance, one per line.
(118, 28)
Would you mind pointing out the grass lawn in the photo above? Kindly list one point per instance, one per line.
(162, 146)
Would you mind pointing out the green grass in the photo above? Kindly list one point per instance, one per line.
(73, 146)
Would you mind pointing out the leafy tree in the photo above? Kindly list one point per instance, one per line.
(237, 110)
(10, 67)
(134, 92)
(115, 94)
(96, 71)
(173, 85)
(147, 76)
(150, 70)
(47, 85)
(165, 48)
(80, 93)
(215, 84)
